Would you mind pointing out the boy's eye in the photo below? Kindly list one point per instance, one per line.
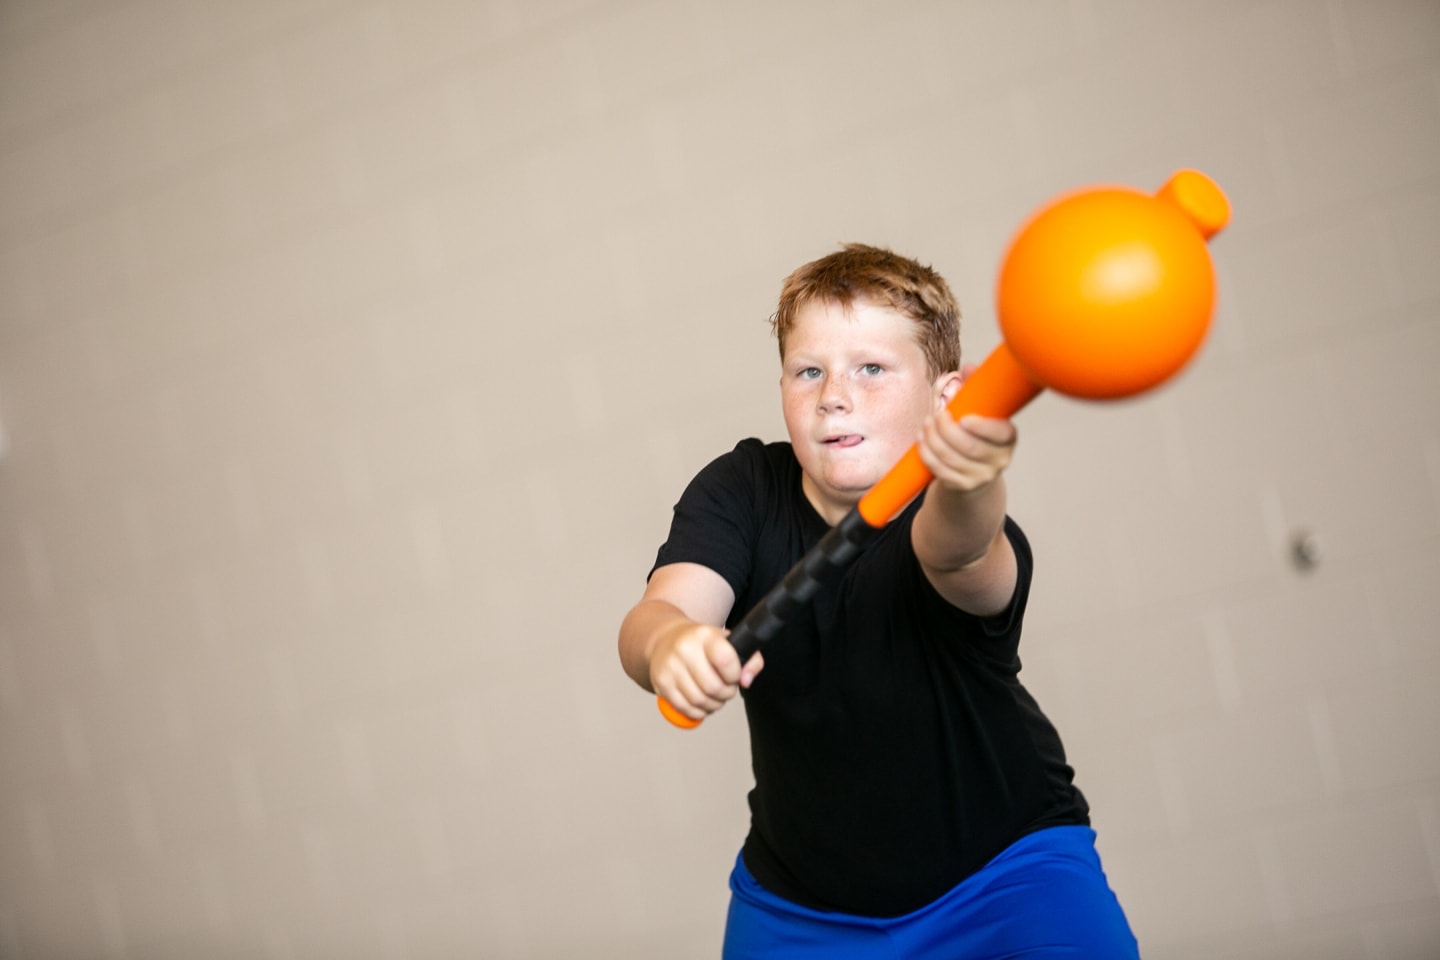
(870, 368)
(809, 373)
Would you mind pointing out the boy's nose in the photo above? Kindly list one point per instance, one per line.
(834, 396)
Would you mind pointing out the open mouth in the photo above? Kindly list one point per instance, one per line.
(843, 440)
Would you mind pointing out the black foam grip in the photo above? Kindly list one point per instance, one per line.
(832, 554)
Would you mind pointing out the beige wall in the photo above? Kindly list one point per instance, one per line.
(352, 353)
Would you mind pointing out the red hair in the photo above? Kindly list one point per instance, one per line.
(882, 278)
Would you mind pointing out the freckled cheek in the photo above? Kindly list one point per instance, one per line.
(797, 401)
(797, 418)
(903, 424)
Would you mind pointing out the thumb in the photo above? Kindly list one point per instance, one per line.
(752, 667)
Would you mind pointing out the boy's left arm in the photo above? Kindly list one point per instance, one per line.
(959, 533)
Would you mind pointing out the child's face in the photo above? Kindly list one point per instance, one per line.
(855, 390)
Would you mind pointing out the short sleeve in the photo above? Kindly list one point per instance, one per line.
(715, 521)
(997, 638)
(1007, 622)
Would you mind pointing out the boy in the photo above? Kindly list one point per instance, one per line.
(911, 800)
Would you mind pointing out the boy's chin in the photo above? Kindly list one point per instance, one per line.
(849, 486)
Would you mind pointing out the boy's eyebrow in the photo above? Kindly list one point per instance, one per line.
(854, 352)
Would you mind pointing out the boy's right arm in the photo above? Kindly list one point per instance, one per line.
(674, 643)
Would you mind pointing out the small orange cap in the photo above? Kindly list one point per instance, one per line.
(1200, 199)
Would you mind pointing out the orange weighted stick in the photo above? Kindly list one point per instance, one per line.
(1104, 293)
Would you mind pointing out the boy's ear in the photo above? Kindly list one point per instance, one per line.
(947, 385)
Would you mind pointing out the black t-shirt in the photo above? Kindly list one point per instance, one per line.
(894, 748)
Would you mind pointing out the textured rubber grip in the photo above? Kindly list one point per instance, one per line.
(833, 553)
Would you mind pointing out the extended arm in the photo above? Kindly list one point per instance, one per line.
(959, 535)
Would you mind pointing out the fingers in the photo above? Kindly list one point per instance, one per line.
(993, 431)
(968, 454)
(753, 666)
(699, 672)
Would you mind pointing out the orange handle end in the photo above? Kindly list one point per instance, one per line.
(675, 716)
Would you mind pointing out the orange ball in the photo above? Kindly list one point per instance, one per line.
(1108, 292)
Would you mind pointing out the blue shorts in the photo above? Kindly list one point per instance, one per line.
(1044, 896)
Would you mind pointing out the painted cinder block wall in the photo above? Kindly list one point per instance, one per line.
(353, 353)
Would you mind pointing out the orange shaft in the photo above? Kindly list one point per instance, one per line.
(996, 388)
